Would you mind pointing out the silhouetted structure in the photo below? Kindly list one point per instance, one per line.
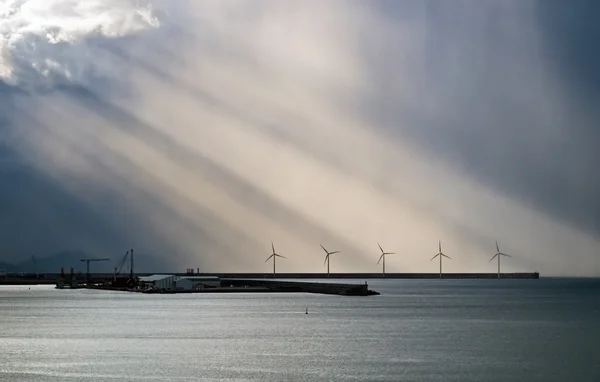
(440, 254)
(273, 256)
(327, 257)
(382, 257)
(498, 255)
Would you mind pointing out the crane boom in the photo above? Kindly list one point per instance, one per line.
(119, 267)
(88, 261)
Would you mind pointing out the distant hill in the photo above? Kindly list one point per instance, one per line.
(143, 263)
(8, 268)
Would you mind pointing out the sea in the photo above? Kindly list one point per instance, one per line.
(416, 330)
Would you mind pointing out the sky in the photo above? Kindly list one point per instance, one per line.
(201, 131)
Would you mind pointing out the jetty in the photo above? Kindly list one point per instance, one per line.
(171, 284)
(378, 275)
(303, 287)
(100, 278)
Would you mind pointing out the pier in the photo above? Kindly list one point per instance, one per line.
(302, 287)
(223, 285)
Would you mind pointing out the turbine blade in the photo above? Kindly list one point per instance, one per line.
(440, 245)
(278, 255)
(380, 247)
(448, 257)
(331, 253)
(323, 248)
(389, 253)
(504, 254)
(493, 257)
(273, 247)
(435, 256)
(497, 248)
(326, 257)
(380, 257)
(268, 258)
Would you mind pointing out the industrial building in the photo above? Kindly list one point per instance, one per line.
(197, 282)
(166, 282)
(171, 282)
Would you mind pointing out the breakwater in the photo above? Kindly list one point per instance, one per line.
(234, 286)
(367, 276)
(301, 287)
(50, 278)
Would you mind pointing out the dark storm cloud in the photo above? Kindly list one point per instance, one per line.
(571, 34)
(481, 77)
(38, 217)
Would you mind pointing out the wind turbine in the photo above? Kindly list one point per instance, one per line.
(274, 255)
(327, 258)
(498, 255)
(440, 254)
(382, 257)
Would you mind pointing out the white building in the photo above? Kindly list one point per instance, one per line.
(166, 282)
(197, 282)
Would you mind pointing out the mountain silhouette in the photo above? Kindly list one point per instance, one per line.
(7, 267)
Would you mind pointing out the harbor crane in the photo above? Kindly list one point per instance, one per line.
(119, 267)
(88, 261)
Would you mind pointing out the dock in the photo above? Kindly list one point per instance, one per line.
(302, 287)
(225, 285)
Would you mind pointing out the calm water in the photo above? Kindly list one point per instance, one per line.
(418, 330)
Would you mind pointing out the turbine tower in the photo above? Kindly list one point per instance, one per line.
(498, 255)
(382, 257)
(327, 257)
(274, 255)
(440, 254)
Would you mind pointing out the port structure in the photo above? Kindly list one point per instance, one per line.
(131, 272)
(440, 254)
(327, 255)
(88, 261)
(37, 274)
(273, 256)
(119, 267)
(498, 255)
(382, 257)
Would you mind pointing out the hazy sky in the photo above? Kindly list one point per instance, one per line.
(200, 131)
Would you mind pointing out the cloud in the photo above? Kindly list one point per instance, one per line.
(232, 124)
(45, 41)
